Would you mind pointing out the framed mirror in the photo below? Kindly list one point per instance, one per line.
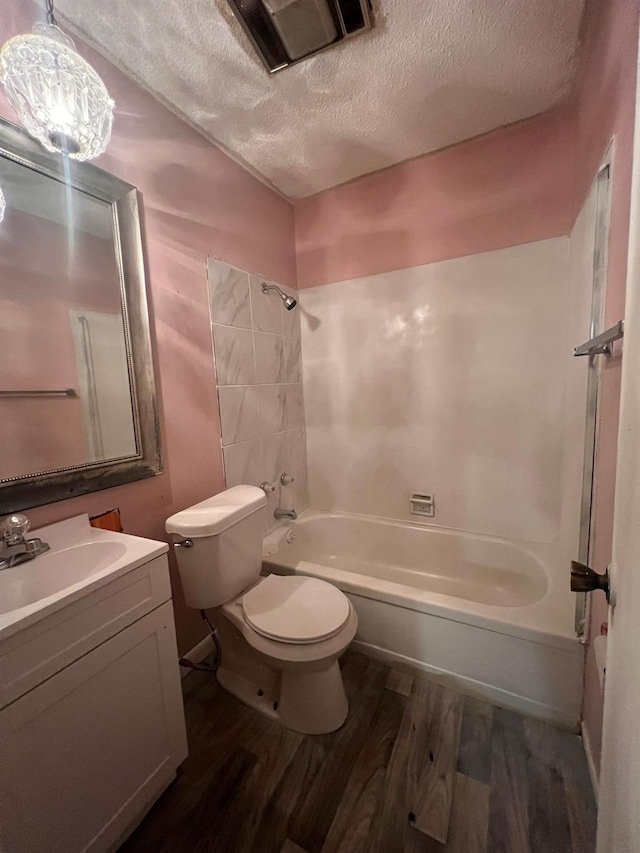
(78, 409)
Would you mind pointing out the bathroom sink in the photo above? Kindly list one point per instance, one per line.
(54, 571)
(91, 715)
(81, 559)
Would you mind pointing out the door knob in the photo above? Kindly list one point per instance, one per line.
(584, 579)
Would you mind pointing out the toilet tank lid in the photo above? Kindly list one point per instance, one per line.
(215, 514)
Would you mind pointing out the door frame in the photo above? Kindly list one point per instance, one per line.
(619, 815)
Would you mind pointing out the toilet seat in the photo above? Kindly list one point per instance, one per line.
(297, 610)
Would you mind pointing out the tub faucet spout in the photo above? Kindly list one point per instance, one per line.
(280, 513)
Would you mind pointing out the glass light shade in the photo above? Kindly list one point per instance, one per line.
(58, 96)
(3, 205)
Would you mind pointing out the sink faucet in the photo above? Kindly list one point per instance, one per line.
(279, 513)
(14, 548)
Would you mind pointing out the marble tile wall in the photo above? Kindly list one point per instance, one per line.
(258, 367)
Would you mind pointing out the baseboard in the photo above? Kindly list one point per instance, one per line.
(197, 654)
(593, 773)
(511, 701)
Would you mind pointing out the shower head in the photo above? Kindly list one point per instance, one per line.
(289, 301)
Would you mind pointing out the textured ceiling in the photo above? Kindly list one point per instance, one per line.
(431, 73)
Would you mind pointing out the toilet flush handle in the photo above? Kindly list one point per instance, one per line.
(184, 543)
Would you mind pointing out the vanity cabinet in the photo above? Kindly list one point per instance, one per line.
(86, 751)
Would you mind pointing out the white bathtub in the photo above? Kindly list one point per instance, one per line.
(486, 613)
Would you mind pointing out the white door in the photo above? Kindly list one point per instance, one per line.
(619, 805)
(103, 375)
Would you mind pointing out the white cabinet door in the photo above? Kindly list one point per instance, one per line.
(85, 753)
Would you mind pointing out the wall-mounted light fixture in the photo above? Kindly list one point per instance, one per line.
(58, 96)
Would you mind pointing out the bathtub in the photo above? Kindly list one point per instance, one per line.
(487, 614)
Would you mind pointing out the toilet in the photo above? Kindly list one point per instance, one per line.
(280, 636)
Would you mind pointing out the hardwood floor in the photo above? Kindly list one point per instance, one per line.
(417, 768)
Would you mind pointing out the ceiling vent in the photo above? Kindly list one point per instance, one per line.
(284, 32)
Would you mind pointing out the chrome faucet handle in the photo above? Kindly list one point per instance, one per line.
(14, 528)
(287, 479)
(267, 488)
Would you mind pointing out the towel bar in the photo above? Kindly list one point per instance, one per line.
(601, 344)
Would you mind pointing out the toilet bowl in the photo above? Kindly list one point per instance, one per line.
(280, 637)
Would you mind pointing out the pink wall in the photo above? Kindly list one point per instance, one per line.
(508, 187)
(196, 202)
(605, 108)
(44, 276)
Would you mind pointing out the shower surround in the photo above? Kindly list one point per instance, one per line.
(445, 378)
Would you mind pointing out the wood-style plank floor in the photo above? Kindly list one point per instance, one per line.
(417, 768)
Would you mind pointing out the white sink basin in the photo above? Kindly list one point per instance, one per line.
(81, 559)
(54, 571)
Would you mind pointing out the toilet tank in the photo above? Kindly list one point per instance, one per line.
(225, 556)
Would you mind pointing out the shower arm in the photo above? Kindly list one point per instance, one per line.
(289, 301)
(265, 288)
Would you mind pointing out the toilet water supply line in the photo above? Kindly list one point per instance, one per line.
(206, 667)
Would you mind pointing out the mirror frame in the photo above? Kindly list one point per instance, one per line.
(59, 484)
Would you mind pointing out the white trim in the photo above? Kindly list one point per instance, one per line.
(495, 695)
(593, 773)
(619, 817)
(197, 654)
